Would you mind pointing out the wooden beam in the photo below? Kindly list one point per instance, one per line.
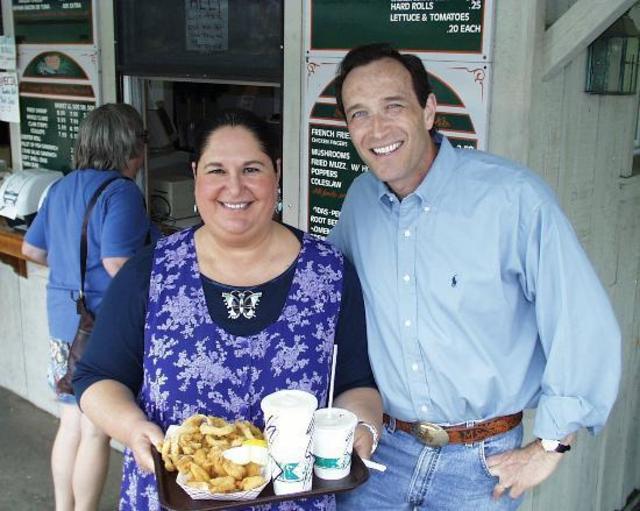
(578, 28)
(516, 71)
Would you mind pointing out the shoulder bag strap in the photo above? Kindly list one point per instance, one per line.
(83, 236)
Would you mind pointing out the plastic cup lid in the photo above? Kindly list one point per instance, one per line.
(289, 401)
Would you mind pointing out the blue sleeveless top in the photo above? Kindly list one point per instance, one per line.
(191, 365)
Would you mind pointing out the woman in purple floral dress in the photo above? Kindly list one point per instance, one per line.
(214, 318)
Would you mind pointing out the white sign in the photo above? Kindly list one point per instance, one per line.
(207, 25)
(7, 53)
(9, 103)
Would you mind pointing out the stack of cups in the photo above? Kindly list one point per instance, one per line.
(288, 419)
(333, 434)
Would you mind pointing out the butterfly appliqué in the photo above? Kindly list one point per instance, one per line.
(241, 303)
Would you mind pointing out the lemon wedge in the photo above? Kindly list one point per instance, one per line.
(255, 441)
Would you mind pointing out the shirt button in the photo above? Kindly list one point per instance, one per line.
(407, 323)
(427, 209)
(424, 408)
(415, 367)
(407, 233)
(406, 278)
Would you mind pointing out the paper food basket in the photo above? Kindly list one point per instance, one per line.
(198, 494)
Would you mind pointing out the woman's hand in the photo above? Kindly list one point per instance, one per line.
(363, 442)
(143, 437)
(112, 407)
(366, 403)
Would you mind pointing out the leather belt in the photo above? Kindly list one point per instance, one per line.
(435, 435)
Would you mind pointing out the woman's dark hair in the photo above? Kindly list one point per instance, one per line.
(363, 55)
(267, 135)
(109, 137)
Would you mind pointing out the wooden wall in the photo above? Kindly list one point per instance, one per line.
(581, 144)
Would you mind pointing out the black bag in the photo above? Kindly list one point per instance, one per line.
(63, 385)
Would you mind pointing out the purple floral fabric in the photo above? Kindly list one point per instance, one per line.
(191, 365)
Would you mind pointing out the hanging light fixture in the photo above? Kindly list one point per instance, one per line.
(612, 65)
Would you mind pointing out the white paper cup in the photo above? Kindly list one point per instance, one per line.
(292, 466)
(288, 417)
(333, 433)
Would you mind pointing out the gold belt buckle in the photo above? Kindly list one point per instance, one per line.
(430, 434)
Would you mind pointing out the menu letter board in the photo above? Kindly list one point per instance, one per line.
(53, 21)
(48, 131)
(436, 26)
(452, 38)
(333, 165)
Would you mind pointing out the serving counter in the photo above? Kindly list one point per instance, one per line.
(11, 249)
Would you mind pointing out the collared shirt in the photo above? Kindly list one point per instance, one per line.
(480, 301)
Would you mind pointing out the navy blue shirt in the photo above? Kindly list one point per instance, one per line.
(116, 348)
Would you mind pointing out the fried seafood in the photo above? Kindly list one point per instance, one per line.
(196, 451)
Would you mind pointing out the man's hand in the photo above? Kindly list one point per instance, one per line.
(143, 437)
(521, 469)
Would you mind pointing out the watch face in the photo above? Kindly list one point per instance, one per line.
(549, 445)
(554, 446)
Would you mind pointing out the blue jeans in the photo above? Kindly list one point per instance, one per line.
(451, 478)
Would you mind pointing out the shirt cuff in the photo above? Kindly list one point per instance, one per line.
(558, 416)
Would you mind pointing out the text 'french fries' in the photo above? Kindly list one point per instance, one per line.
(196, 451)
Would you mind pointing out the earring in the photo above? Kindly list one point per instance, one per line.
(278, 206)
(195, 208)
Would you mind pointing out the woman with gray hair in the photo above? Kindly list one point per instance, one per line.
(109, 148)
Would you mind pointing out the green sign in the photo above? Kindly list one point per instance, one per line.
(333, 165)
(52, 21)
(447, 26)
(48, 129)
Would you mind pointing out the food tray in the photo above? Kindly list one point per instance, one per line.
(174, 498)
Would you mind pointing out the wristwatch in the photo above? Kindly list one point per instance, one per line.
(374, 433)
(554, 446)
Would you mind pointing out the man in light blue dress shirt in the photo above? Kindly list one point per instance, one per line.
(480, 303)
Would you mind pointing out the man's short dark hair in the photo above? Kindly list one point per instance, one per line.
(363, 55)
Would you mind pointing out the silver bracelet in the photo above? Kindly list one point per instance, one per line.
(374, 433)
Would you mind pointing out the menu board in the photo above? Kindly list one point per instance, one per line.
(333, 165)
(445, 29)
(331, 158)
(53, 21)
(57, 90)
(48, 131)
(453, 38)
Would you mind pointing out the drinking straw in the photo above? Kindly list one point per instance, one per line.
(332, 375)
